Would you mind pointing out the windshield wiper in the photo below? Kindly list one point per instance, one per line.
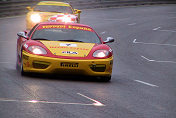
(40, 39)
(71, 40)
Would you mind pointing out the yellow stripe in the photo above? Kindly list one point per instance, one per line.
(53, 3)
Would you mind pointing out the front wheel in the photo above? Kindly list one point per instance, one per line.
(21, 68)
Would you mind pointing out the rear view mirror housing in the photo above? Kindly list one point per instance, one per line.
(22, 34)
(77, 11)
(29, 8)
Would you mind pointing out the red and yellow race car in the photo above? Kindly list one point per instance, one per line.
(64, 48)
(48, 10)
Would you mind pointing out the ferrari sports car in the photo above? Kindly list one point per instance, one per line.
(64, 48)
(44, 10)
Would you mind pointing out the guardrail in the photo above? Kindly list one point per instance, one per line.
(17, 7)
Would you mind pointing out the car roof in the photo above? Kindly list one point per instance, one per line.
(53, 3)
(59, 23)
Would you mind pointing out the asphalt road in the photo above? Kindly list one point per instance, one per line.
(143, 81)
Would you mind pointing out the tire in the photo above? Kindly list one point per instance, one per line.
(21, 68)
(17, 66)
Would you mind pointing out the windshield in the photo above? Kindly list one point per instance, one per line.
(72, 35)
(53, 8)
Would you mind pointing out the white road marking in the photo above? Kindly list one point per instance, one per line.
(157, 61)
(146, 83)
(157, 28)
(134, 41)
(132, 24)
(97, 103)
(45, 102)
(146, 58)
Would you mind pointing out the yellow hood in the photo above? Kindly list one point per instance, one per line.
(73, 49)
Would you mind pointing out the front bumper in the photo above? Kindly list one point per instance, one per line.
(42, 64)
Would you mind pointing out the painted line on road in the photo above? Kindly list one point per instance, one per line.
(45, 102)
(157, 28)
(96, 103)
(150, 60)
(152, 85)
(132, 24)
(159, 44)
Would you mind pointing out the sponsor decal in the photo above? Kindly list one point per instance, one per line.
(68, 44)
(53, 26)
(64, 47)
(25, 45)
(66, 27)
(79, 28)
(110, 50)
(69, 52)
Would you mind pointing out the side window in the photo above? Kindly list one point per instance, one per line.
(29, 34)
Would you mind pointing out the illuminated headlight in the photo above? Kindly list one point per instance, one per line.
(66, 19)
(37, 50)
(101, 53)
(35, 18)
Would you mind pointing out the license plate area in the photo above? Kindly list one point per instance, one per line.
(68, 64)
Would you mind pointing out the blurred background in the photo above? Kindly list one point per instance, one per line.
(18, 7)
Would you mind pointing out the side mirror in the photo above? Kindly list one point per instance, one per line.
(29, 8)
(77, 11)
(109, 40)
(22, 34)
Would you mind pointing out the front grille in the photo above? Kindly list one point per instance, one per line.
(40, 64)
(98, 67)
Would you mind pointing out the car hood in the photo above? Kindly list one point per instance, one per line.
(72, 49)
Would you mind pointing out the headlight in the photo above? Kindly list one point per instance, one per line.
(101, 53)
(37, 50)
(35, 18)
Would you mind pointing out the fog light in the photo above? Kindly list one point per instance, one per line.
(98, 67)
